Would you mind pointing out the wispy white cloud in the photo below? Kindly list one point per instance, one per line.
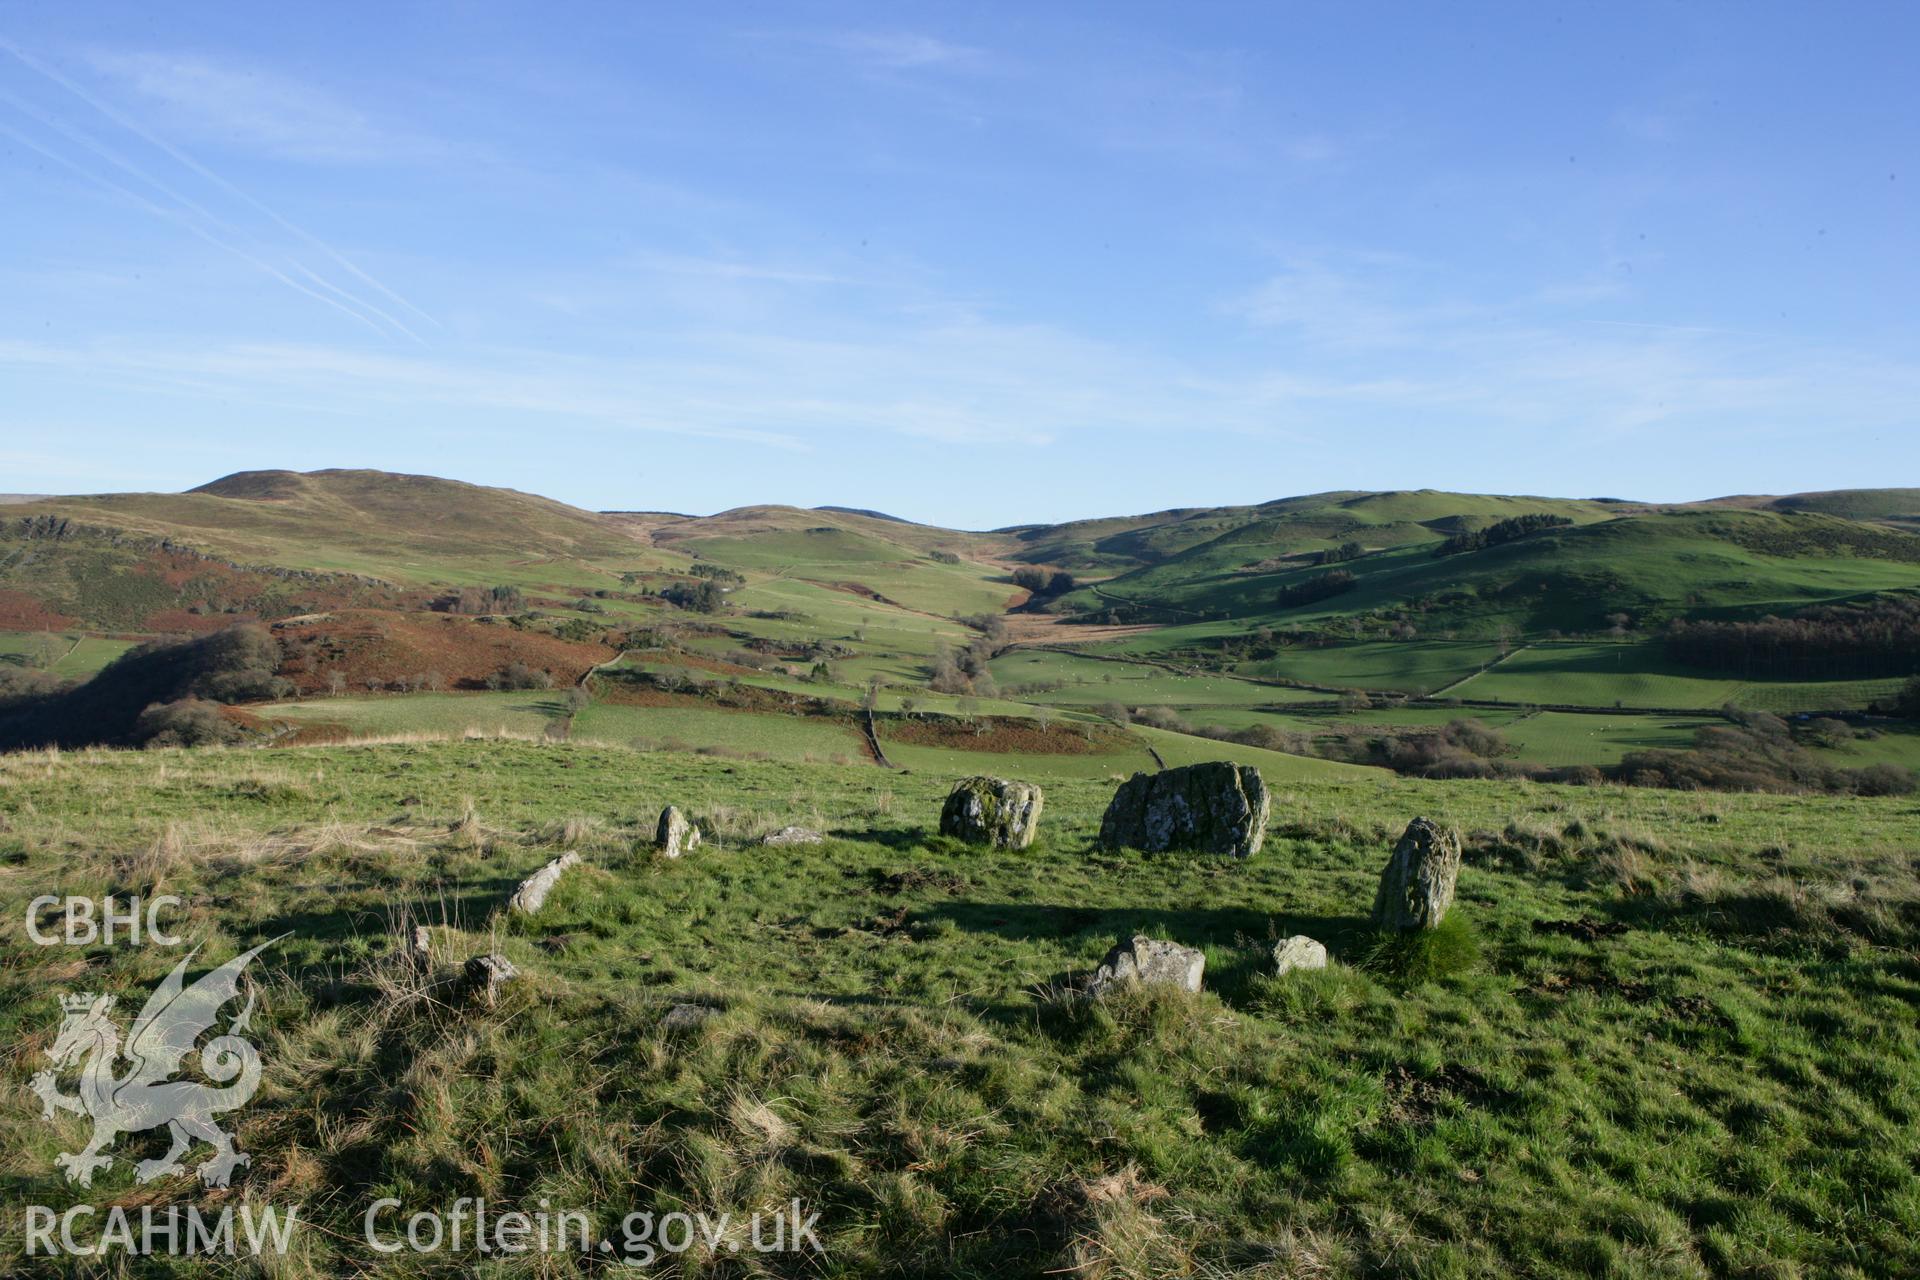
(906, 50)
(1541, 361)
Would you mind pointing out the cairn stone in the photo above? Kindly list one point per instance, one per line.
(1298, 952)
(533, 891)
(487, 974)
(793, 835)
(1416, 888)
(1217, 807)
(675, 835)
(1150, 962)
(993, 811)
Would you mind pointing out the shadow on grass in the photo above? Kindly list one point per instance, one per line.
(468, 907)
(887, 837)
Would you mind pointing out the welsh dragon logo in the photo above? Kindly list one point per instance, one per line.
(146, 1096)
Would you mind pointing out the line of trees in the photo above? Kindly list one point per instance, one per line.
(1341, 554)
(1508, 530)
(964, 671)
(1835, 642)
(1321, 586)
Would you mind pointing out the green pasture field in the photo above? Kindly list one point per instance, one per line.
(1723, 1080)
(74, 656)
(1633, 674)
(1545, 737)
(1092, 681)
(1786, 698)
(1179, 749)
(824, 613)
(1566, 737)
(1891, 743)
(941, 762)
(782, 737)
(1417, 666)
(891, 698)
(521, 712)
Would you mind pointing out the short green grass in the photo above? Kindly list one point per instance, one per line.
(1730, 1085)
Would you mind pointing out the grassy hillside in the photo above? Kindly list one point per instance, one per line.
(1685, 1047)
(1651, 567)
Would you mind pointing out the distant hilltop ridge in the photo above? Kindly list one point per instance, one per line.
(282, 485)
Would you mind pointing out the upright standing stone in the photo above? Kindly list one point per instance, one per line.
(992, 811)
(1202, 808)
(1416, 888)
(1151, 962)
(675, 835)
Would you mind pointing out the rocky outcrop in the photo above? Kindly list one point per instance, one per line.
(675, 835)
(1201, 808)
(993, 811)
(533, 891)
(1298, 952)
(1416, 888)
(1149, 962)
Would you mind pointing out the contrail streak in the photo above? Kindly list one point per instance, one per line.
(170, 215)
(113, 157)
(183, 158)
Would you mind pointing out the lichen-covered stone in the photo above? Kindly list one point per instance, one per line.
(675, 835)
(992, 811)
(533, 891)
(1298, 952)
(793, 835)
(1202, 808)
(1416, 888)
(1150, 962)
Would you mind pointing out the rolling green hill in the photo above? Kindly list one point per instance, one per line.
(399, 528)
(1652, 566)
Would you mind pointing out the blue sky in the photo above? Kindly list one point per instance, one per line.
(971, 264)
